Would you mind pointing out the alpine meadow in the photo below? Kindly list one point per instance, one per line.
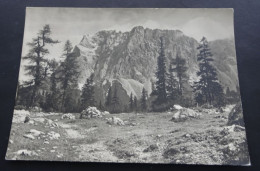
(129, 85)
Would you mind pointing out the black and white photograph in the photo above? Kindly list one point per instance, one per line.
(129, 85)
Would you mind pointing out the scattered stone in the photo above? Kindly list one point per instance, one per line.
(26, 152)
(52, 151)
(27, 119)
(151, 148)
(31, 122)
(40, 120)
(105, 113)
(11, 141)
(54, 147)
(35, 132)
(60, 155)
(230, 129)
(178, 161)
(30, 136)
(68, 116)
(177, 107)
(20, 115)
(115, 121)
(51, 123)
(187, 135)
(184, 114)
(46, 142)
(53, 135)
(158, 136)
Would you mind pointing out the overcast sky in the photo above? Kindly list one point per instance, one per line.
(73, 23)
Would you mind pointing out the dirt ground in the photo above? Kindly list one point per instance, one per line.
(145, 137)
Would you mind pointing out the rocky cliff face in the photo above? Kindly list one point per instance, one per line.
(130, 58)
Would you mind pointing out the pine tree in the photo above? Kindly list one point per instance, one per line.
(36, 58)
(100, 107)
(208, 85)
(172, 87)
(68, 74)
(87, 96)
(135, 104)
(131, 103)
(115, 101)
(144, 100)
(108, 99)
(161, 76)
(53, 98)
(178, 65)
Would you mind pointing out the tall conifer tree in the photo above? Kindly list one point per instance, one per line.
(208, 86)
(131, 103)
(87, 96)
(108, 98)
(36, 58)
(144, 100)
(68, 74)
(161, 76)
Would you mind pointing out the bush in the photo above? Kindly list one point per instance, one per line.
(20, 107)
(161, 107)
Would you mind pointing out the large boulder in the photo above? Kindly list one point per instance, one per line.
(91, 112)
(236, 115)
(184, 114)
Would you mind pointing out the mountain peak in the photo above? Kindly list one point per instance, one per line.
(137, 28)
(86, 41)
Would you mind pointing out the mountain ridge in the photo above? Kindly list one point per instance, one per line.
(130, 58)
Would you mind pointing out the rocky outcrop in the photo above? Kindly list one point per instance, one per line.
(236, 115)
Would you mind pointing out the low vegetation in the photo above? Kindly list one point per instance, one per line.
(144, 137)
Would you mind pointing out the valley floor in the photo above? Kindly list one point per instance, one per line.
(145, 137)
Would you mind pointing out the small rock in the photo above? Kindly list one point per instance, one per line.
(11, 141)
(187, 135)
(115, 121)
(60, 155)
(35, 132)
(52, 151)
(26, 152)
(152, 147)
(177, 107)
(159, 136)
(53, 135)
(68, 116)
(30, 136)
(27, 119)
(31, 122)
(46, 142)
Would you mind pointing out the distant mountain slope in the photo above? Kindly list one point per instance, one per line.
(225, 62)
(130, 58)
